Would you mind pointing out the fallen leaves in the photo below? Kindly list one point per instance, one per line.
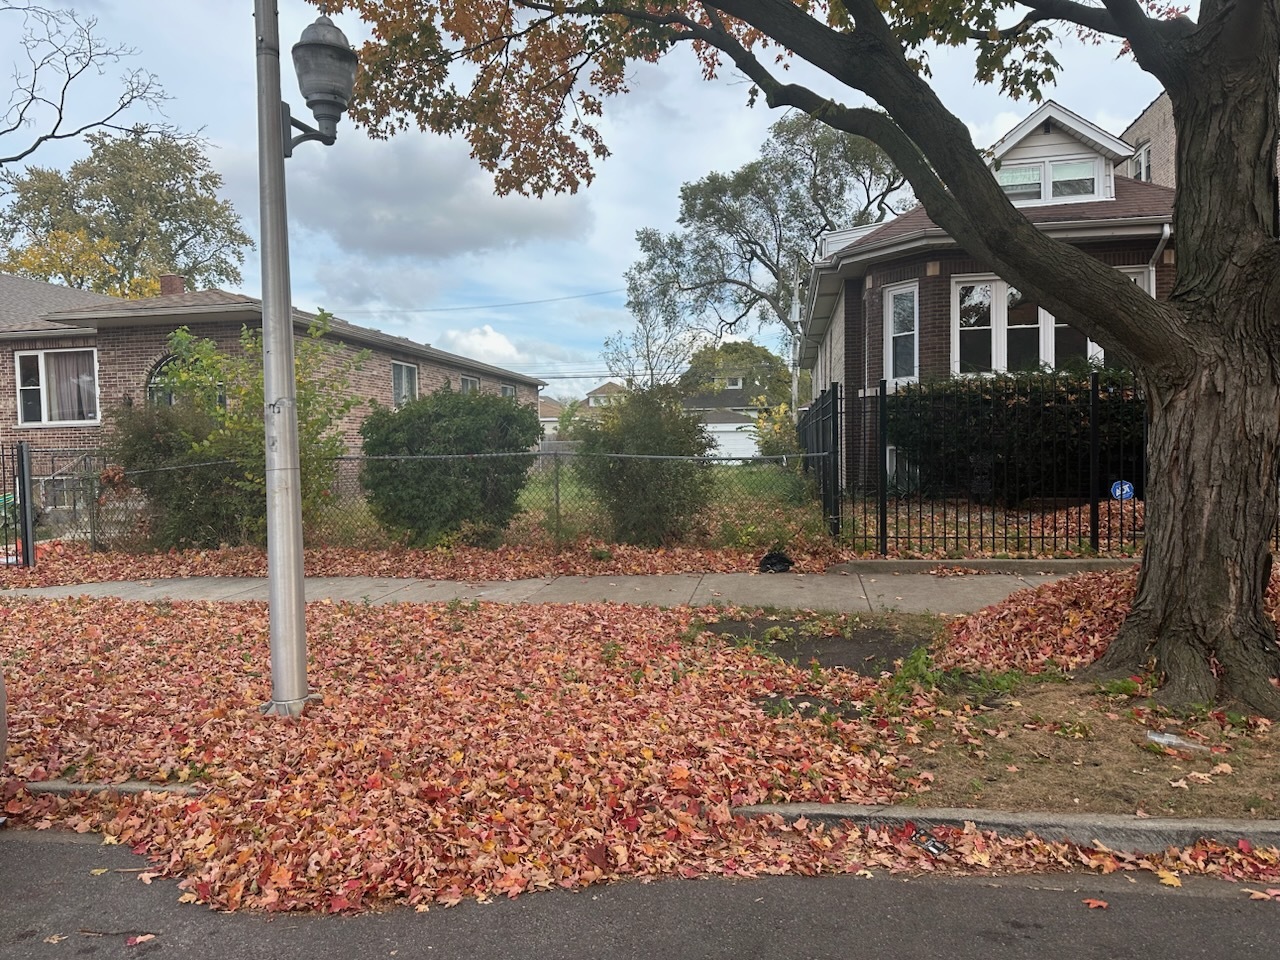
(457, 752)
(472, 752)
(1095, 904)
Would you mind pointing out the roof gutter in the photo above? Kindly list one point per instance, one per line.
(56, 333)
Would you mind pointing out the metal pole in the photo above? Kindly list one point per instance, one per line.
(26, 509)
(286, 598)
(1095, 472)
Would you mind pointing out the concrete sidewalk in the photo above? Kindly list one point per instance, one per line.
(866, 586)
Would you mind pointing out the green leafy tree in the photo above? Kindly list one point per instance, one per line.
(649, 501)
(422, 473)
(744, 234)
(764, 375)
(74, 260)
(146, 203)
(208, 409)
(532, 78)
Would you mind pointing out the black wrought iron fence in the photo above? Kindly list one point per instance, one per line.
(17, 510)
(822, 441)
(1036, 464)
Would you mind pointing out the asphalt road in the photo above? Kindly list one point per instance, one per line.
(47, 892)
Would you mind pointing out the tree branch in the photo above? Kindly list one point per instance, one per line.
(59, 43)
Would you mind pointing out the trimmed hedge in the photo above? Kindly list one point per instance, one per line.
(1016, 437)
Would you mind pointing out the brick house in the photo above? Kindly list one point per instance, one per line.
(903, 302)
(69, 356)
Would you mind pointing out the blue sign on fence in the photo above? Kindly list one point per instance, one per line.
(1122, 490)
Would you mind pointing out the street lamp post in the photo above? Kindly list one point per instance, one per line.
(326, 67)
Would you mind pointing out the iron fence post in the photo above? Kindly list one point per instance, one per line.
(882, 446)
(832, 486)
(1095, 478)
(26, 512)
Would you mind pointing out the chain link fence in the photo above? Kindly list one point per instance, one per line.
(755, 503)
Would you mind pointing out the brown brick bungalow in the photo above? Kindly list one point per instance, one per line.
(902, 302)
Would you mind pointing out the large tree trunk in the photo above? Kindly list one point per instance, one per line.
(1212, 500)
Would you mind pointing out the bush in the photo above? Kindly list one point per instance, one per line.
(1014, 437)
(649, 502)
(198, 449)
(432, 498)
(192, 502)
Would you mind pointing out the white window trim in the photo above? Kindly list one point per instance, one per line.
(887, 314)
(504, 388)
(1142, 163)
(45, 422)
(1046, 184)
(462, 381)
(1000, 324)
(733, 383)
(408, 366)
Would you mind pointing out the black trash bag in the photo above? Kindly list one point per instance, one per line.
(775, 561)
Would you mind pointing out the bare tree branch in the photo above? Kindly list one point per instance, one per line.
(63, 51)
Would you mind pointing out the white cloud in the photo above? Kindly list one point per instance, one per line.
(480, 343)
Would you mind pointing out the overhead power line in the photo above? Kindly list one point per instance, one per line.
(492, 306)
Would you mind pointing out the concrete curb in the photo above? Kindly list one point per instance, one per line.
(1134, 834)
(1019, 567)
(66, 788)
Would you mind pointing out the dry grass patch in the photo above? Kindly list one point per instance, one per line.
(1067, 747)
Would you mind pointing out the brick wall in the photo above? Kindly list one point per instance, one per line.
(1155, 127)
(128, 356)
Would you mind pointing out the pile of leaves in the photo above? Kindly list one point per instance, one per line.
(1058, 626)
(458, 751)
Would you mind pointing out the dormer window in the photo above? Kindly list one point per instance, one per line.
(1074, 178)
(733, 383)
(1021, 181)
(1050, 181)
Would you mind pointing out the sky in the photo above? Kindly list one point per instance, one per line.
(406, 235)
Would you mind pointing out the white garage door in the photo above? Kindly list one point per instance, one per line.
(734, 440)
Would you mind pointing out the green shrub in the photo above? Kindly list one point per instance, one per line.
(197, 448)
(431, 498)
(1013, 437)
(192, 501)
(649, 502)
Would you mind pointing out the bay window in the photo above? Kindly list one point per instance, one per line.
(57, 387)
(995, 328)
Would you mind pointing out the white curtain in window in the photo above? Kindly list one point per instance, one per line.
(72, 389)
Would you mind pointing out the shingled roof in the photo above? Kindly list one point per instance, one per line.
(24, 302)
(1134, 200)
(39, 308)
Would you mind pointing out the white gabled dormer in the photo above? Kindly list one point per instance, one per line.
(1055, 156)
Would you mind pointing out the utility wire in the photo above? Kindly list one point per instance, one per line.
(491, 306)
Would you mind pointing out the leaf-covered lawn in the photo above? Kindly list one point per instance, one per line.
(467, 751)
(1063, 625)
(458, 751)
